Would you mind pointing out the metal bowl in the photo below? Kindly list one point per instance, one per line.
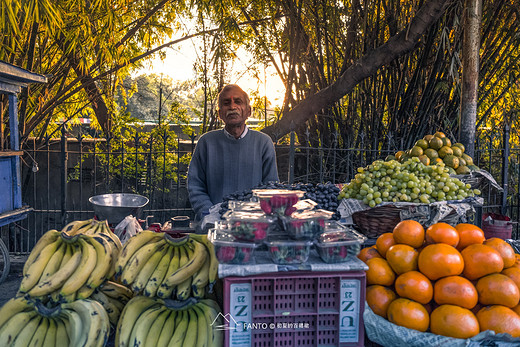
(115, 207)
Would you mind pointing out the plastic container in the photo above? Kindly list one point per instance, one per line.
(337, 243)
(278, 201)
(283, 250)
(229, 250)
(295, 308)
(249, 226)
(245, 206)
(306, 224)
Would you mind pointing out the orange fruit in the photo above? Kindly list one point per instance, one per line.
(409, 232)
(497, 289)
(368, 253)
(517, 261)
(379, 272)
(506, 251)
(442, 233)
(499, 319)
(415, 286)
(440, 260)
(455, 290)
(454, 321)
(481, 260)
(469, 234)
(379, 298)
(516, 309)
(402, 258)
(513, 273)
(383, 242)
(409, 314)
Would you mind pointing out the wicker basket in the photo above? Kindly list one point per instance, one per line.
(382, 219)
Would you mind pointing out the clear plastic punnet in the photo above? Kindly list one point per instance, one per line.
(229, 250)
(307, 224)
(249, 226)
(338, 242)
(278, 201)
(284, 250)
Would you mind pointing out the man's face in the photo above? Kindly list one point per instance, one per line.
(233, 108)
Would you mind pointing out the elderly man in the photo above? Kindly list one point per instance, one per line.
(230, 159)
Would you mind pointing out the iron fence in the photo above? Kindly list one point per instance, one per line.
(59, 175)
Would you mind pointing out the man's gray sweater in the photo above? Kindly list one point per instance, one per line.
(222, 165)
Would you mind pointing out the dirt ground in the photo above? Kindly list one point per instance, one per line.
(10, 286)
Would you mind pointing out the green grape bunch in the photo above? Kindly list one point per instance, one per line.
(410, 181)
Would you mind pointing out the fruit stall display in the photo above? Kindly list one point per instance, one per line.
(450, 281)
(80, 281)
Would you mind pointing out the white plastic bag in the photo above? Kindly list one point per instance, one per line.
(127, 228)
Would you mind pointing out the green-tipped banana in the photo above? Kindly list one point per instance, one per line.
(27, 332)
(148, 269)
(84, 269)
(49, 237)
(134, 244)
(12, 327)
(129, 316)
(181, 324)
(210, 317)
(191, 337)
(35, 270)
(203, 327)
(143, 324)
(213, 266)
(159, 273)
(167, 330)
(152, 338)
(50, 337)
(95, 329)
(199, 257)
(62, 338)
(138, 261)
(76, 329)
(56, 280)
(39, 334)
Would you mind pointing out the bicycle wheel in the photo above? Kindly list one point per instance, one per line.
(5, 263)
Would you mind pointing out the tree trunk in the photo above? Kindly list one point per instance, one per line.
(396, 46)
(470, 66)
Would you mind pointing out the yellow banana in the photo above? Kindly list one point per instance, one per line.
(129, 316)
(27, 332)
(95, 329)
(213, 263)
(75, 327)
(74, 227)
(105, 229)
(83, 270)
(112, 311)
(147, 270)
(56, 280)
(50, 337)
(116, 291)
(214, 309)
(181, 324)
(12, 327)
(134, 244)
(138, 261)
(210, 317)
(46, 239)
(187, 270)
(12, 307)
(35, 270)
(39, 334)
(154, 331)
(167, 330)
(54, 262)
(198, 291)
(118, 304)
(192, 333)
(69, 249)
(159, 273)
(165, 291)
(200, 278)
(102, 268)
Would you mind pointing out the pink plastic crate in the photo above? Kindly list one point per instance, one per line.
(297, 308)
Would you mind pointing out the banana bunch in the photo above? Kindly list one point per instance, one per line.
(63, 268)
(113, 297)
(151, 322)
(26, 323)
(93, 227)
(156, 264)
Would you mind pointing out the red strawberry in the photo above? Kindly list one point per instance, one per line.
(260, 234)
(343, 252)
(226, 253)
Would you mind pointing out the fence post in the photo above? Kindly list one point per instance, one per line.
(505, 168)
(291, 156)
(64, 160)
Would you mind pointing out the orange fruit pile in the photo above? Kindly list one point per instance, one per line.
(448, 280)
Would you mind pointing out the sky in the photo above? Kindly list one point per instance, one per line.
(179, 61)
